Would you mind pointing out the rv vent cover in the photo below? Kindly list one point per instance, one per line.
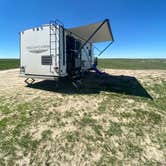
(46, 60)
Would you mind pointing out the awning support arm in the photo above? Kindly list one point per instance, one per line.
(106, 48)
(93, 34)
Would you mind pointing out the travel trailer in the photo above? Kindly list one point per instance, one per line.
(51, 51)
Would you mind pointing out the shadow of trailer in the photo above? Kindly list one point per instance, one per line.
(93, 83)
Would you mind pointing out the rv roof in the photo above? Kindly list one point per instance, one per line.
(102, 34)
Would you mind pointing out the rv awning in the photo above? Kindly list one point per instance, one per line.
(98, 32)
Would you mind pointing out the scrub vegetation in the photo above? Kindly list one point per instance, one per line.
(110, 120)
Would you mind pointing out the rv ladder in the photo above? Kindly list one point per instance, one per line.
(53, 40)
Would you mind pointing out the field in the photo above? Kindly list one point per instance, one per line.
(118, 118)
(8, 64)
(134, 64)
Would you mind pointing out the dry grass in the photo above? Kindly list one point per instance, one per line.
(41, 127)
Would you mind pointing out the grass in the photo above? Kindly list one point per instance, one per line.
(114, 129)
(39, 127)
(46, 134)
(105, 63)
(133, 63)
(89, 131)
(72, 136)
(9, 64)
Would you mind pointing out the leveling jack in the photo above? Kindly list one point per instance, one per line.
(77, 83)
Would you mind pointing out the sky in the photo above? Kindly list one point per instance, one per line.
(138, 26)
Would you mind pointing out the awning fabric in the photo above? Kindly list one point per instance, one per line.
(103, 34)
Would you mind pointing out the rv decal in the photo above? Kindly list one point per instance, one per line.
(38, 49)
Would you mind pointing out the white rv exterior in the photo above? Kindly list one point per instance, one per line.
(43, 52)
(51, 51)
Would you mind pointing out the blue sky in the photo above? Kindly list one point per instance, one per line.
(139, 26)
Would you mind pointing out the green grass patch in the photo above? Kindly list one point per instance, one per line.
(105, 63)
(102, 108)
(9, 64)
(114, 129)
(87, 120)
(28, 143)
(46, 134)
(133, 63)
(3, 123)
(107, 159)
(17, 118)
(72, 136)
(132, 150)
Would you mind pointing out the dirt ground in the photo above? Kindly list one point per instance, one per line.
(10, 81)
(118, 120)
